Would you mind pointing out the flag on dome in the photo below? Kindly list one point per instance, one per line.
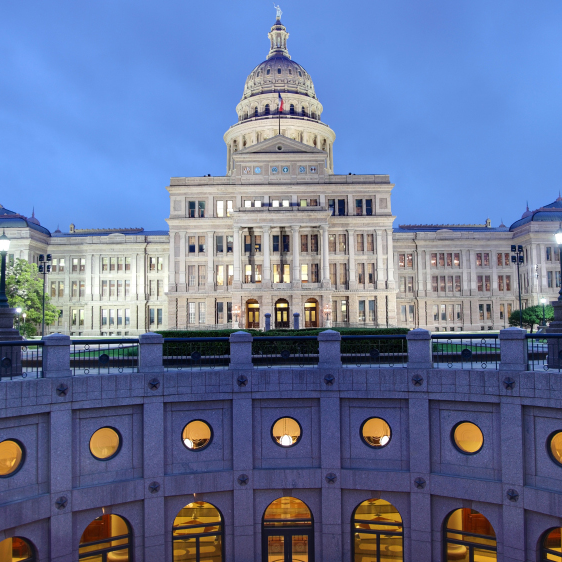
(280, 103)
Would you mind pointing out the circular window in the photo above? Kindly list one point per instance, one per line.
(197, 435)
(274, 170)
(11, 457)
(279, 147)
(376, 432)
(285, 169)
(286, 432)
(105, 443)
(468, 438)
(555, 446)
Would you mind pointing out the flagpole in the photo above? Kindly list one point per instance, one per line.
(279, 111)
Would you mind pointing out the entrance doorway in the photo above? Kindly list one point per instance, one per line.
(311, 313)
(252, 314)
(287, 532)
(282, 314)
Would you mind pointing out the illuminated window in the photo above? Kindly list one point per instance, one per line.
(375, 432)
(197, 435)
(469, 536)
(17, 549)
(551, 545)
(105, 443)
(286, 432)
(12, 456)
(106, 538)
(555, 446)
(467, 438)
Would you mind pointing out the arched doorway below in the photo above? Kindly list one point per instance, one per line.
(551, 545)
(106, 539)
(377, 533)
(469, 536)
(287, 532)
(16, 549)
(311, 313)
(252, 314)
(198, 534)
(282, 314)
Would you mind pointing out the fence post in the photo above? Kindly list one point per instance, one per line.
(56, 356)
(329, 350)
(296, 320)
(513, 349)
(151, 353)
(241, 350)
(267, 322)
(419, 349)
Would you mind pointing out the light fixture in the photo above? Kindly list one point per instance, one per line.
(188, 443)
(558, 237)
(543, 300)
(286, 440)
(384, 440)
(4, 242)
(18, 310)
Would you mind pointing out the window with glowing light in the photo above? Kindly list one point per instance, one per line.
(468, 536)
(468, 438)
(105, 443)
(197, 435)
(551, 545)
(16, 549)
(12, 456)
(286, 432)
(376, 432)
(555, 447)
(107, 538)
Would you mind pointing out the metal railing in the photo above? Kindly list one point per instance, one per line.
(196, 353)
(89, 357)
(544, 352)
(374, 351)
(465, 351)
(21, 360)
(285, 351)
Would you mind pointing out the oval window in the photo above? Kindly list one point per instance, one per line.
(286, 432)
(105, 443)
(468, 438)
(11, 457)
(197, 435)
(555, 446)
(376, 432)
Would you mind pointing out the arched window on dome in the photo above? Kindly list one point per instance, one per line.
(267, 112)
(268, 71)
(278, 71)
(292, 109)
(256, 112)
(313, 115)
(258, 74)
(303, 111)
(300, 73)
(245, 115)
(290, 71)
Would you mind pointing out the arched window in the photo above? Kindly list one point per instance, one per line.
(17, 549)
(256, 113)
(468, 535)
(258, 74)
(107, 539)
(278, 71)
(292, 109)
(245, 115)
(198, 533)
(287, 531)
(290, 72)
(313, 115)
(376, 531)
(303, 111)
(551, 546)
(267, 112)
(268, 71)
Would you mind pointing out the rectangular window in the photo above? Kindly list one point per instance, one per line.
(53, 288)
(332, 243)
(276, 273)
(557, 279)
(82, 266)
(334, 274)
(257, 243)
(370, 243)
(369, 207)
(436, 313)
(371, 273)
(362, 311)
(201, 244)
(343, 274)
(401, 261)
(304, 243)
(303, 203)
(344, 311)
(506, 259)
(127, 288)
(487, 283)
(500, 260)
(127, 264)
(556, 253)
(229, 311)
(314, 273)
(229, 244)
(360, 243)
(190, 245)
(509, 310)
(435, 283)
(220, 209)
(359, 207)
(53, 263)
(479, 260)
(450, 313)
(276, 242)
(486, 260)
(119, 318)
(410, 313)
(191, 275)
(112, 289)
(230, 273)
(548, 253)
(361, 273)
(191, 209)
(450, 283)
(500, 281)
(219, 244)
(202, 312)
(456, 260)
(191, 313)
(286, 273)
(220, 275)
(441, 260)
(286, 242)
(410, 285)
(480, 283)
(61, 289)
(409, 260)
(112, 264)
(74, 265)
(119, 264)
(481, 312)
(433, 260)
(449, 260)
(220, 313)
(342, 243)
(314, 243)
(104, 317)
(457, 283)
(442, 283)
(371, 311)
(285, 203)
(202, 275)
(112, 318)
(341, 207)
(403, 312)
(332, 206)
(229, 208)
(257, 202)
(201, 209)
(105, 264)
(488, 312)
(82, 289)
(443, 312)
(120, 289)
(457, 312)
(502, 307)
(549, 279)
(257, 273)
(151, 288)
(402, 284)
(61, 265)
(304, 273)
(314, 202)
(275, 203)
(104, 289)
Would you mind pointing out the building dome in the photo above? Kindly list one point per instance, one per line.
(549, 213)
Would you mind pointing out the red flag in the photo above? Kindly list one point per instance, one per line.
(280, 103)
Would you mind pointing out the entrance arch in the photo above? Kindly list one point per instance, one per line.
(287, 531)
(282, 314)
(198, 534)
(311, 313)
(377, 532)
(108, 539)
(551, 545)
(252, 314)
(16, 548)
(476, 537)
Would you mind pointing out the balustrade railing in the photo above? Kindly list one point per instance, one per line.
(459, 351)
(285, 351)
(544, 352)
(89, 357)
(21, 359)
(374, 351)
(188, 354)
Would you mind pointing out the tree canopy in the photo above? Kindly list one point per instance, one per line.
(531, 316)
(24, 289)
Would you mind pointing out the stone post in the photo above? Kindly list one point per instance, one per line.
(329, 348)
(296, 320)
(12, 354)
(419, 349)
(56, 356)
(513, 347)
(241, 350)
(267, 321)
(150, 353)
(555, 327)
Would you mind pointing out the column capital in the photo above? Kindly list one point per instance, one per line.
(295, 227)
(266, 227)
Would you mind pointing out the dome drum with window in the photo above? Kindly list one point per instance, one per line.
(286, 432)
(197, 435)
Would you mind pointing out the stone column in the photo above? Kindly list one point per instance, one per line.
(241, 350)
(390, 261)
(419, 349)
(381, 283)
(56, 356)
(9, 333)
(266, 273)
(352, 281)
(210, 261)
(236, 283)
(329, 350)
(513, 348)
(296, 257)
(325, 258)
(150, 353)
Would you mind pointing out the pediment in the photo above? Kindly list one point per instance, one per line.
(271, 146)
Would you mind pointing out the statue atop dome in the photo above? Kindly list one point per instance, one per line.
(279, 12)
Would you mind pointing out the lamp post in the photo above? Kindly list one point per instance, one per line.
(517, 258)
(44, 268)
(543, 302)
(4, 247)
(24, 316)
(327, 312)
(18, 312)
(236, 311)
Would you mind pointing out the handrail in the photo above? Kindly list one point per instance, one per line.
(102, 341)
(542, 336)
(375, 337)
(24, 343)
(166, 340)
(447, 336)
(286, 338)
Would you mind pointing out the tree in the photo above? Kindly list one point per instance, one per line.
(531, 316)
(24, 289)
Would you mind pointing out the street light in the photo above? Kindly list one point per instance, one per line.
(44, 268)
(4, 247)
(518, 259)
(543, 301)
(558, 237)
(236, 311)
(327, 312)
(24, 316)
(18, 312)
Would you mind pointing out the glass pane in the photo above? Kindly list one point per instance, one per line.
(287, 508)
(185, 550)
(14, 550)
(10, 457)
(197, 513)
(391, 548)
(286, 432)
(210, 549)
(376, 432)
(553, 557)
(481, 555)
(92, 559)
(365, 547)
(457, 553)
(118, 556)
(104, 443)
(553, 541)
(555, 446)
(468, 437)
(196, 435)
(378, 514)
(275, 549)
(299, 548)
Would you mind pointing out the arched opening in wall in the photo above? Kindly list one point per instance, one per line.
(314, 140)
(245, 115)
(244, 142)
(377, 532)
(324, 146)
(17, 549)
(311, 313)
(282, 314)
(303, 111)
(468, 536)
(252, 314)
(256, 112)
(287, 532)
(551, 546)
(313, 115)
(267, 111)
(198, 534)
(106, 539)
(292, 109)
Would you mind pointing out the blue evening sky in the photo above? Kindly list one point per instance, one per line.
(101, 102)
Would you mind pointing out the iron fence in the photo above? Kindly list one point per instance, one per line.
(196, 353)
(466, 351)
(544, 352)
(89, 357)
(374, 351)
(21, 359)
(285, 351)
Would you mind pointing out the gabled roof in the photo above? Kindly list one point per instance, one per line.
(288, 146)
